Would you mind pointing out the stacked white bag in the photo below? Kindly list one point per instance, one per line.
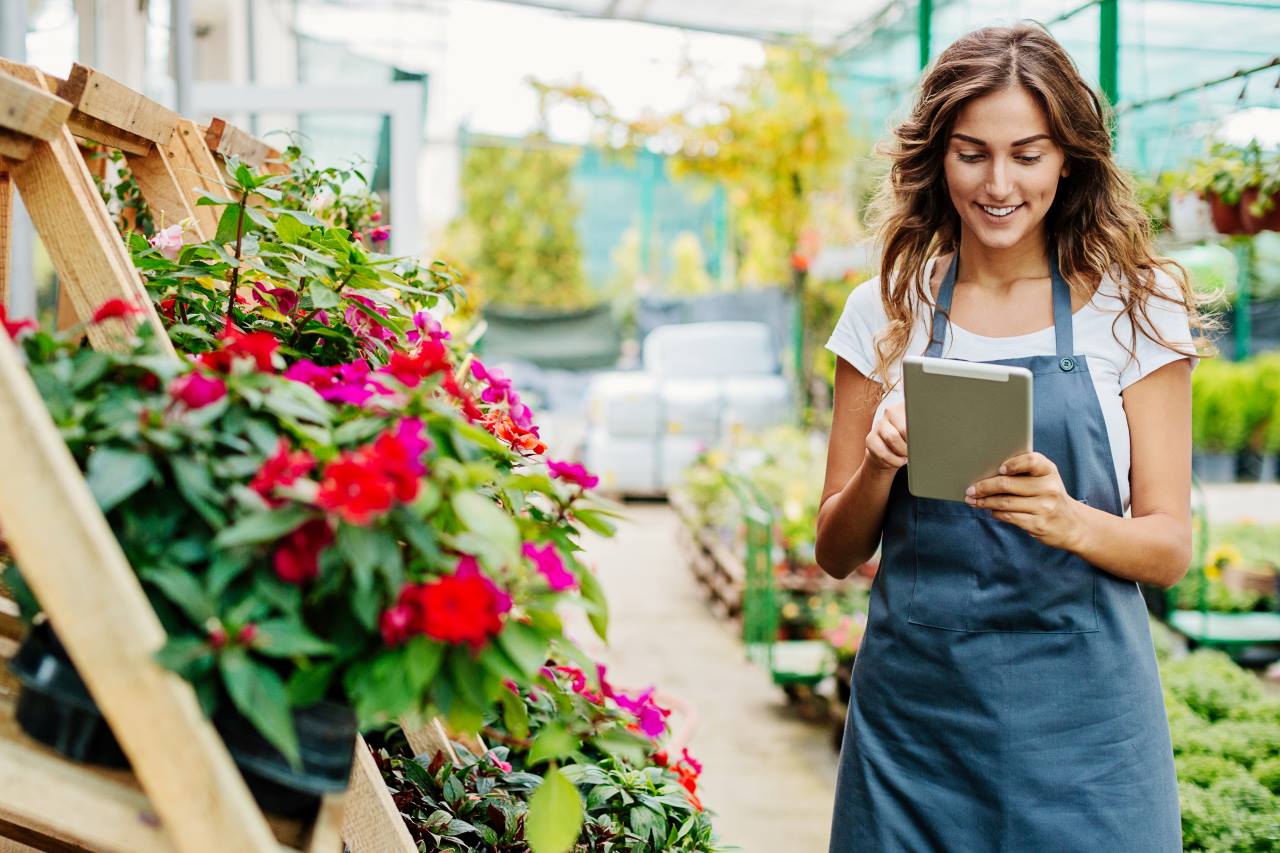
(700, 382)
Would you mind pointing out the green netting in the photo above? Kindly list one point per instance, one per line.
(1165, 46)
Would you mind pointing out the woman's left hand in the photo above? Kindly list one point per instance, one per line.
(1029, 494)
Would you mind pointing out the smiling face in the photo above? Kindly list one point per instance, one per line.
(1002, 168)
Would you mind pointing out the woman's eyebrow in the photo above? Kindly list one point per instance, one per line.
(974, 140)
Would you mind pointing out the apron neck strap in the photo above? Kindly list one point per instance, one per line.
(1061, 308)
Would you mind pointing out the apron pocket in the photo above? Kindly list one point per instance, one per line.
(974, 573)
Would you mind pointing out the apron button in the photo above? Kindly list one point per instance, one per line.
(1067, 363)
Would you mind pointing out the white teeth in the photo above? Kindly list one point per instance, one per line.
(999, 211)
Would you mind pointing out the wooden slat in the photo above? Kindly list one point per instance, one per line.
(6, 227)
(227, 141)
(74, 565)
(95, 130)
(14, 145)
(172, 176)
(10, 619)
(97, 96)
(73, 223)
(371, 823)
(206, 174)
(428, 738)
(326, 832)
(29, 110)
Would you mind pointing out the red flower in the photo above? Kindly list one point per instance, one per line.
(260, 346)
(298, 557)
(15, 328)
(355, 489)
(195, 390)
(467, 402)
(410, 370)
(115, 309)
(167, 306)
(398, 455)
(281, 469)
(465, 607)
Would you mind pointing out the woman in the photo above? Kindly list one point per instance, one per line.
(1006, 697)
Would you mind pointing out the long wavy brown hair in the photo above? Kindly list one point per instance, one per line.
(1094, 223)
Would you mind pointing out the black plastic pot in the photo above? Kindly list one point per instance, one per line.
(327, 738)
(55, 707)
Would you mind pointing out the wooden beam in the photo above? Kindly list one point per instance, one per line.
(15, 146)
(94, 95)
(75, 567)
(73, 223)
(174, 174)
(30, 110)
(228, 141)
(371, 823)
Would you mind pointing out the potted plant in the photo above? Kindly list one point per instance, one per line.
(1260, 200)
(1220, 178)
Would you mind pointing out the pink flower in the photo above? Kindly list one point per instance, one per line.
(344, 383)
(551, 566)
(574, 473)
(282, 299)
(364, 326)
(195, 390)
(380, 234)
(504, 766)
(168, 241)
(424, 325)
(376, 216)
(500, 387)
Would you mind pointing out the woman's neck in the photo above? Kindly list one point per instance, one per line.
(997, 269)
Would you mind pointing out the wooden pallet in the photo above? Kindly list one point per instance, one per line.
(185, 793)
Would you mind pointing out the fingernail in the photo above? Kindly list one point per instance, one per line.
(971, 501)
(1003, 469)
(971, 491)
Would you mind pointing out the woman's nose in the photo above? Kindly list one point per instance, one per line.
(998, 184)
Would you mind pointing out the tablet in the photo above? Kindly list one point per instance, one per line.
(963, 420)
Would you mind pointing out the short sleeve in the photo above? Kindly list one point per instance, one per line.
(1170, 321)
(854, 336)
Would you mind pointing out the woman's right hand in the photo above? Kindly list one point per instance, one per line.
(887, 441)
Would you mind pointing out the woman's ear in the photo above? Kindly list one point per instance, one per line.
(1066, 168)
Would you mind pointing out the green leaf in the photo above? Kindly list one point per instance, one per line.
(554, 741)
(284, 638)
(368, 550)
(526, 646)
(485, 518)
(555, 815)
(182, 589)
(593, 520)
(114, 475)
(184, 655)
(515, 714)
(423, 657)
(322, 296)
(310, 684)
(623, 744)
(244, 177)
(261, 527)
(598, 615)
(259, 694)
(228, 225)
(379, 689)
(196, 485)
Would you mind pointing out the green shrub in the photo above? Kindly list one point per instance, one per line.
(1266, 710)
(1245, 742)
(1206, 770)
(1267, 772)
(1215, 819)
(1210, 683)
(1220, 404)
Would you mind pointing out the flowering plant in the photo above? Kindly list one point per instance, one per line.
(631, 795)
(395, 555)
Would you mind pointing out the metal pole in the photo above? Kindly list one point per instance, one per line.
(1242, 325)
(22, 282)
(925, 26)
(182, 52)
(1109, 49)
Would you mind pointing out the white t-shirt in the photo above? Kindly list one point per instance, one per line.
(1110, 365)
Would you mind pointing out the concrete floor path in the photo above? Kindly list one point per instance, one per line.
(768, 775)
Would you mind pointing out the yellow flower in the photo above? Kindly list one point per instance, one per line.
(1212, 572)
(790, 610)
(1225, 554)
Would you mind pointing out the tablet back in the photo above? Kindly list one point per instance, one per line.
(963, 420)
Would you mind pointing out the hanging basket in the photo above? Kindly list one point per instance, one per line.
(1269, 221)
(1226, 216)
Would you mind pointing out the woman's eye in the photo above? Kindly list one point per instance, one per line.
(969, 158)
(1029, 159)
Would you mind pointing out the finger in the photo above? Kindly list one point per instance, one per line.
(1008, 485)
(893, 439)
(1009, 503)
(876, 447)
(1022, 520)
(1035, 464)
(897, 415)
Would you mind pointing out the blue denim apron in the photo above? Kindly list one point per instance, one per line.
(1005, 696)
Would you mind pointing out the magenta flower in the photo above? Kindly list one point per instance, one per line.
(364, 326)
(282, 299)
(573, 472)
(426, 326)
(195, 390)
(551, 566)
(499, 387)
(380, 234)
(504, 766)
(468, 567)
